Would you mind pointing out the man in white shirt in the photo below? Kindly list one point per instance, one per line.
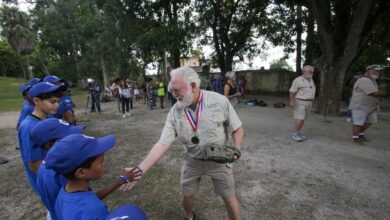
(199, 119)
(364, 102)
(302, 94)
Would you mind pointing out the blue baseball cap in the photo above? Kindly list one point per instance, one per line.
(51, 79)
(42, 87)
(129, 212)
(35, 80)
(71, 151)
(66, 105)
(51, 129)
(25, 87)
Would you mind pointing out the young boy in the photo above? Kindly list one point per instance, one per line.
(80, 159)
(44, 134)
(45, 97)
(28, 105)
(65, 110)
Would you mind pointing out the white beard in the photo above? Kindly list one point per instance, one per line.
(186, 100)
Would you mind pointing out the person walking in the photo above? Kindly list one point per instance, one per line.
(364, 103)
(124, 92)
(161, 94)
(302, 94)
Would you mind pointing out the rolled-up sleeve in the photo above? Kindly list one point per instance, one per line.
(294, 86)
(234, 120)
(168, 134)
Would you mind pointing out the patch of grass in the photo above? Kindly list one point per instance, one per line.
(11, 99)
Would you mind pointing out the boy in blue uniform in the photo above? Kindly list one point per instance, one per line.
(44, 134)
(65, 110)
(45, 97)
(80, 159)
(28, 105)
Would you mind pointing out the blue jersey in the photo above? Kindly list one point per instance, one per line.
(49, 183)
(26, 110)
(79, 206)
(28, 152)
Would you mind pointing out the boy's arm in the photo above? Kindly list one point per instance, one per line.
(34, 165)
(127, 176)
(105, 191)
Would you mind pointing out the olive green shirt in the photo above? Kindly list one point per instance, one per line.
(211, 130)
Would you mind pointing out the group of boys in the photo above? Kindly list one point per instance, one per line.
(60, 161)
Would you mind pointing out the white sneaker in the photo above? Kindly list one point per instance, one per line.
(302, 136)
(128, 114)
(297, 138)
(124, 116)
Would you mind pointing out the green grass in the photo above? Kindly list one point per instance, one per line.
(12, 100)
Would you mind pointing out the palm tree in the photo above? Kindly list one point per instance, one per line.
(15, 26)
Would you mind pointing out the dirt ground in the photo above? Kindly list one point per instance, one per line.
(325, 177)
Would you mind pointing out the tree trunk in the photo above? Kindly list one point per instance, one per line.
(75, 59)
(104, 72)
(331, 88)
(299, 39)
(310, 44)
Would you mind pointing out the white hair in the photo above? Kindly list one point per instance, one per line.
(230, 74)
(188, 74)
(307, 67)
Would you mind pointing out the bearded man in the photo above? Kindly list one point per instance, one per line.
(302, 94)
(199, 119)
(364, 103)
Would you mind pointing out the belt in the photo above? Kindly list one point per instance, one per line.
(307, 100)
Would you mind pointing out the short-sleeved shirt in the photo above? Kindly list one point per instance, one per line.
(303, 88)
(28, 151)
(26, 110)
(216, 110)
(49, 184)
(361, 98)
(80, 206)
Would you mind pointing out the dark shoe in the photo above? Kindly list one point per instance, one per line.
(193, 216)
(357, 141)
(363, 138)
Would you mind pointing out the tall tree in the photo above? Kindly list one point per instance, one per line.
(16, 28)
(233, 24)
(344, 29)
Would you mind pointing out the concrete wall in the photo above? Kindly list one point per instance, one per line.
(267, 81)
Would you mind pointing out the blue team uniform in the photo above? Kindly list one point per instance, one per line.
(65, 105)
(28, 152)
(49, 183)
(79, 206)
(26, 110)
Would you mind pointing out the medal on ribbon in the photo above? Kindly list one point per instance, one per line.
(195, 121)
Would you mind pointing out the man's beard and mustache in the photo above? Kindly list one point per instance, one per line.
(186, 100)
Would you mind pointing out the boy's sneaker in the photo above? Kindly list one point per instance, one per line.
(302, 136)
(297, 138)
(193, 217)
(128, 114)
(363, 138)
(357, 141)
(124, 116)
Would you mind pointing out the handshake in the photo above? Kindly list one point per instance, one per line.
(129, 177)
